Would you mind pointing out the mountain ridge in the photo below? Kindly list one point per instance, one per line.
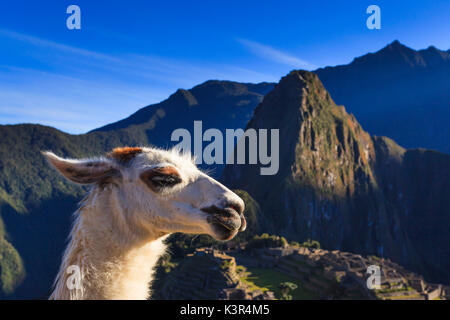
(397, 92)
(189, 98)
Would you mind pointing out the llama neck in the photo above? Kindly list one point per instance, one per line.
(110, 259)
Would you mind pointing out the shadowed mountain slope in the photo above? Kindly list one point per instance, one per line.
(218, 104)
(344, 188)
(397, 92)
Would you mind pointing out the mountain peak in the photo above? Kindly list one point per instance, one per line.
(306, 84)
(303, 75)
(298, 79)
(395, 44)
(183, 97)
(310, 126)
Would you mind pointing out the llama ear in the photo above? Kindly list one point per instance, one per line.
(84, 171)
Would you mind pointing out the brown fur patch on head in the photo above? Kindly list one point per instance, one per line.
(168, 171)
(124, 154)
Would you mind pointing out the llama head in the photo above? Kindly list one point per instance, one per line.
(161, 191)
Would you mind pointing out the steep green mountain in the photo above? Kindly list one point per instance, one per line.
(397, 92)
(36, 203)
(348, 190)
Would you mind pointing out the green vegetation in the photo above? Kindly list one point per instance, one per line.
(166, 263)
(187, 279)
(294, 244)
(226, 264)
(179, 244)
(12, 271)
(267, 241)
(405, 297)
(286, 288)
(373, 257)
(268, 279)
(387, 289)
(314, 244)
(252, 214)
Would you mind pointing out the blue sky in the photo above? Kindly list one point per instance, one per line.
(129, 54)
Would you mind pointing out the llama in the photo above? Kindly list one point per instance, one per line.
(138, 197)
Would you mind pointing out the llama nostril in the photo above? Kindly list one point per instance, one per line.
(235, 206)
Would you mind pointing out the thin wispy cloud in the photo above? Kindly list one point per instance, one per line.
(71, 104)
(60, 81)
(275, 55)
(145, 66)
(54, 45)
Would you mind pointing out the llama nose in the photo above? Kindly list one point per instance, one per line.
(239, 208)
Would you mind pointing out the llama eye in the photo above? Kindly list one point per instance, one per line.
(164, 181)
(160, 178)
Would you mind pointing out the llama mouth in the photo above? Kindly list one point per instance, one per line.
(229, 223)
(226, 222)
(223, 232)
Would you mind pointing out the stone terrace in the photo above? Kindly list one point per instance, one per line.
(336, 274)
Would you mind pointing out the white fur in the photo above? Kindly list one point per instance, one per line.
(118, 233)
